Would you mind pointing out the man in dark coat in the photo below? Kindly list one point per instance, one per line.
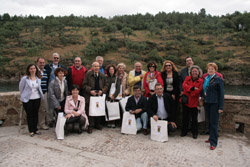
(160, 107)
(137, 105)
(94, 84)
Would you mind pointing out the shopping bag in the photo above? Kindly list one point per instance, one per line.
(159, 130)
(201, 115)
(97, 105)
(60, 126)
(113, 89)
(152, 84)
(123, 103)
(128, 124)
(113, 112)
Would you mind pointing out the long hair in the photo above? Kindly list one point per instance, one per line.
(38, 74)
(174, 68)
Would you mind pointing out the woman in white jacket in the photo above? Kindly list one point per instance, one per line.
(31, 94)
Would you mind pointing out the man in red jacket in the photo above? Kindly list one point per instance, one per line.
(76, 74)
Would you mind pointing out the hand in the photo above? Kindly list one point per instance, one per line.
(99, 93)
(59, 108)
(173, 124)
(76, 113)
(195, 88)
(181, 93)
(220, 111)
(141, 76)
(131, 112)
(92, 92)
(68, 116)
(173, 96)
(198, 108)
(112, 97)
(155, 117)
(137, 111)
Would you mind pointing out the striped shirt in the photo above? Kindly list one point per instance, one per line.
(44, 80)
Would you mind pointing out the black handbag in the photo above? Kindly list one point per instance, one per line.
(184, 99)
(76, 118)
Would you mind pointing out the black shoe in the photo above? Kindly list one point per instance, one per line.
(195, 136)
(98, 127)
(89, 130)
(183, 134)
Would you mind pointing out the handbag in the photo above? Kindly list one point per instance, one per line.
(128, 124)
(159, 130)
(113, 111)
(152, 84)
(184, 99)
(75, 118)
(123, 103)
(113, 89)
(201, 115)
(97, 105)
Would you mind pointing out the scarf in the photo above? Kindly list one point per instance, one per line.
(61, 85)
(206, 82)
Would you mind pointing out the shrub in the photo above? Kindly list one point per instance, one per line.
(154, 56)
(134, 57)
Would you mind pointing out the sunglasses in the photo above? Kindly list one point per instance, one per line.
(168, 65)
(151, 66)
(56, 58)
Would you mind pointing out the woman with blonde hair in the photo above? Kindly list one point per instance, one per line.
(123, 76)
(171, 82)
(213, 89)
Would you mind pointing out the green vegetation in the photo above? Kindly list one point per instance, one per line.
(128, 38)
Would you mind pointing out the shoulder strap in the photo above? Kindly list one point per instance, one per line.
(78, 103)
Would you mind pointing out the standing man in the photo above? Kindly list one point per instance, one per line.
(94, 84)
(76, 75)
(44, 102)
(50, 69)
(135, 77)
(137, 105)
(100, 60)
(160, 107)
(185, 71)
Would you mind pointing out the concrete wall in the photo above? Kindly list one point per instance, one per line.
(237, 109)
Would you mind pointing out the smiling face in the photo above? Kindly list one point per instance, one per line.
(138, 67)
(78, 62)
(32, 70)
(56, 59)
(195, 73)
(96, 67)
(75, 92)
(211, 70)
(189, 62)
(159, 90)
(60, 75)
(137, 92)
(121, 70)
(41, 63)
(168, 67)
(111, 71)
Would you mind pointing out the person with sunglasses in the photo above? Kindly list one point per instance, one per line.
(170, 77)
(151, 78)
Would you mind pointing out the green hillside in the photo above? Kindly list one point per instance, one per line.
(129, 38)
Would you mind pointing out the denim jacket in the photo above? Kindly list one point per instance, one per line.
(25, 88)
(215, 92)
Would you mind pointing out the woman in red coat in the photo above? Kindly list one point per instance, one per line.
(192, 87)
(151, 78)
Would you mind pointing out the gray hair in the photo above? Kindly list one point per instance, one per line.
(99, 57)
(94, 63)
(198, 68)
(121, 65)
(55, 54)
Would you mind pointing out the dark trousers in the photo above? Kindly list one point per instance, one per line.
(31, 108)
(77, 125)
(186, 115)
(93, 121)
(213, 118)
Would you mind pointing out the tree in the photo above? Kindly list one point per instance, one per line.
(127, 31)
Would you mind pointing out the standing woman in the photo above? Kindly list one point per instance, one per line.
(112, 78)
(213, 88)
(58, 90)
(151, 78)
(123, 76)
(170, 77)
(31, 94)
(192, 87)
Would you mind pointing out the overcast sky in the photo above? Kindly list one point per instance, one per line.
(109, 8)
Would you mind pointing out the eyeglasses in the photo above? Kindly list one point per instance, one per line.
(56, 58)
(168, 65)
(152, 66)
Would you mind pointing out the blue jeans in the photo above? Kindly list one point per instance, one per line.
(213, 118)
(142, 121)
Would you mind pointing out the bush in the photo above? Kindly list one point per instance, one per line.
(134, 57)
(135, 46)
(154, 56)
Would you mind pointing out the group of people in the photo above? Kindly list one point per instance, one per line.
(47, 90)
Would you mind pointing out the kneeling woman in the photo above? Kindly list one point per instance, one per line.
(75, 110)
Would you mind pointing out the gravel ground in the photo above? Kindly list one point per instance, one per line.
(108, 148)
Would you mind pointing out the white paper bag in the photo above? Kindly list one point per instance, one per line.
(60, 126)
(128, 124)
(159, 130)
(113, 89)
(201, 115)
(123, 103)
(113, 111)
(97, 105)
(152, 84)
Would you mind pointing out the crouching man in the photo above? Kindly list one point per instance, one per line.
(160, 107)
(137, 105)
